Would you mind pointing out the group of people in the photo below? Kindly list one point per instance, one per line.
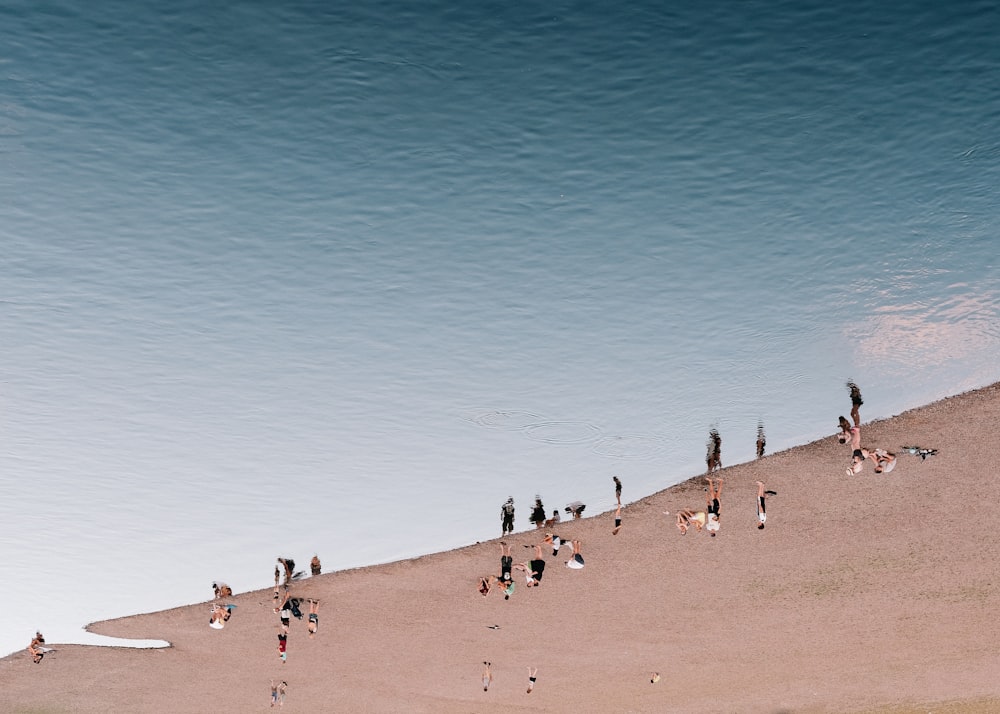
(884, 461)
(538, 514)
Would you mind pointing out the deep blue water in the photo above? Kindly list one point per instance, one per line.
(278, 279)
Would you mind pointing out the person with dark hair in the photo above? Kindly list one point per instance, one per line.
(37, 648)
(315, 566)
(712, 506)
(618, 489)
(686, 518)
(885, 461)
(487, 675)
(507, 516)
(221, 590)
(533, 569)
(506, 563)
(289, 569)
(618, 520)
(856, 401)
(845, 430)
(532, 675)
(761, 512)
(538, 513)
(555, 518)
(761, 441)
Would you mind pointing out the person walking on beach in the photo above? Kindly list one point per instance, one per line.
(313, 625)
(712, 506)
(532, 675)
(487, 675)
(761, 511)
(533, 569)
(507, 516)
(618, 489)
(538, 513)
(576, 562)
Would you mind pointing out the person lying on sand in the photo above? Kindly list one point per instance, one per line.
(533, 569)
(687, 518)
(884, 461)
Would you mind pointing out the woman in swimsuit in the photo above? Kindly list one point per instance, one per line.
(313, 617)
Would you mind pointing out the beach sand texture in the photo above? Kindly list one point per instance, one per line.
(868, 593)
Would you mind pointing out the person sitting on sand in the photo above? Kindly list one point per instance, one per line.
(576, 562)
(712, 506)
(687, 518)
(845, 430)
(549, 522)
(885, 461)
(220, 616)
(315, 566)
(37, 648)
(221, 590)
(858, 459)
(553, 540)
(313, 625)
(533, 569)
(761, 513)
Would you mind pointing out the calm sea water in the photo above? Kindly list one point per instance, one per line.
(296, 278)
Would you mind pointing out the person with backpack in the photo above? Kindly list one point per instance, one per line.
(507, 516)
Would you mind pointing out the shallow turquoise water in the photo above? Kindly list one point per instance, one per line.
(277, 281)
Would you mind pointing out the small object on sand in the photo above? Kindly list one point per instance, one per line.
(655, 678)
(493, 627)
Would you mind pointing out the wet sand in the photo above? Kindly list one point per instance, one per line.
(868, 593)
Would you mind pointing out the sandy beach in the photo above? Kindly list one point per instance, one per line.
(864, 593)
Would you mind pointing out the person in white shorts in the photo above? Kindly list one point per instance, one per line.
(761, 513)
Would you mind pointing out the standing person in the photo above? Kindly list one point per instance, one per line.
(487, 675)
(856, 401)
(313, 625)
(532, 674)
(538, 513)
(618, 489)
(712, 506)
(283, 647)
(761, 441)
(507, 516)
(761, 512)
(618, 520)
(576, 562)
(315, 566)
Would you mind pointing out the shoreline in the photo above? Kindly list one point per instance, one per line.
(804, 615)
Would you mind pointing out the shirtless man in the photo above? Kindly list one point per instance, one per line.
(712, 505)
